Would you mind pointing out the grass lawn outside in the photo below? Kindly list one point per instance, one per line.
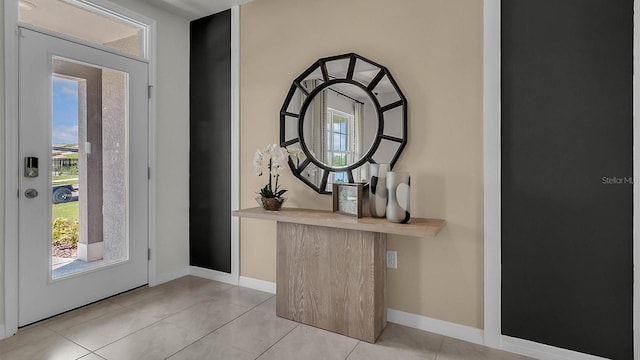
(67, 210)
(64, 177)
(65, 180)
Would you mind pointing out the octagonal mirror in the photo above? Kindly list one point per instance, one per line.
(340, 115)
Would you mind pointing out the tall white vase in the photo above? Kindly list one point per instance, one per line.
(398, 188)
(378, 189)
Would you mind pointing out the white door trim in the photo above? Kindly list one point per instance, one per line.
(153, 134)
(492, 171)
(235, 142)
(491, 141)
(11, 166)
(636, 182)
(11, 151)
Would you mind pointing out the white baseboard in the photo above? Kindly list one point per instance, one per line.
(213, 275)
(166, 277)
(542, 351)
(256, 284)
(474, 335)
(453, 330)
(462, 332)
(3, 333)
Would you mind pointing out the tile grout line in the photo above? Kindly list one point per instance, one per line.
(122, 307)
(244, 310)
(156, 322)
(44, 324)
(247, 309)
(94, 353)
(54, 333)
(440, 348)
(129, 307)
(274, 344)
(219, 327)
(352, 350)
(125, 307)
(283, 336)
(205, 299)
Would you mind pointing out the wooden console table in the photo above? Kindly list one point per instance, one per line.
(331, 268)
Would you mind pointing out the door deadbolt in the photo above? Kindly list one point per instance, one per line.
(31, 167)
(31, 193)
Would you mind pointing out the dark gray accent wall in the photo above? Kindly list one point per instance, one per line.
(210, 138)
(567, 130)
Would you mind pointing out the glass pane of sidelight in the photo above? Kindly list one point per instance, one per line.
(89, 167)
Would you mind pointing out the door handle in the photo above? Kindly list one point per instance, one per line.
(31, 193)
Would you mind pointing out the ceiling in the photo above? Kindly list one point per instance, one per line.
(194, 9)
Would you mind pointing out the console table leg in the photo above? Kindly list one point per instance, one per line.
(332, 278)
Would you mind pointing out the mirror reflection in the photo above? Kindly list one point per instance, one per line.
(339, 125)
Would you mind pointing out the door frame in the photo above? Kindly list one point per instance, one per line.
(492, 196)
(11, 161)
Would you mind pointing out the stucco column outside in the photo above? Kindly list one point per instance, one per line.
(115, 154)
(89, 164)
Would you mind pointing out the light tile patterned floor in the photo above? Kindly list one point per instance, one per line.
(195, 318)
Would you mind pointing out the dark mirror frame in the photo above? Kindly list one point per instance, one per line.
(328, 81)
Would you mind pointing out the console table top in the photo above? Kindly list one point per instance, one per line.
(416, 227)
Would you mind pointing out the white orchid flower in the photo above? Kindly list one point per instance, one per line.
(279, 157)
(270, 149)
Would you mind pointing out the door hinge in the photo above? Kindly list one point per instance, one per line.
(149, 90)
(148, 254)
(18, 193)
(149, 173)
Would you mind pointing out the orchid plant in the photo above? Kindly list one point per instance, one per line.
(272, 159)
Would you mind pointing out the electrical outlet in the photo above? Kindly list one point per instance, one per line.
(392, 259)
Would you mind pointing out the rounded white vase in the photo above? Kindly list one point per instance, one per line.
(398, 189)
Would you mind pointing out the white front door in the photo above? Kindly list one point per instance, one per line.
(83, 176)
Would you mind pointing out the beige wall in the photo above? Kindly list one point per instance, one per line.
(172, 136)
(433, 48)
